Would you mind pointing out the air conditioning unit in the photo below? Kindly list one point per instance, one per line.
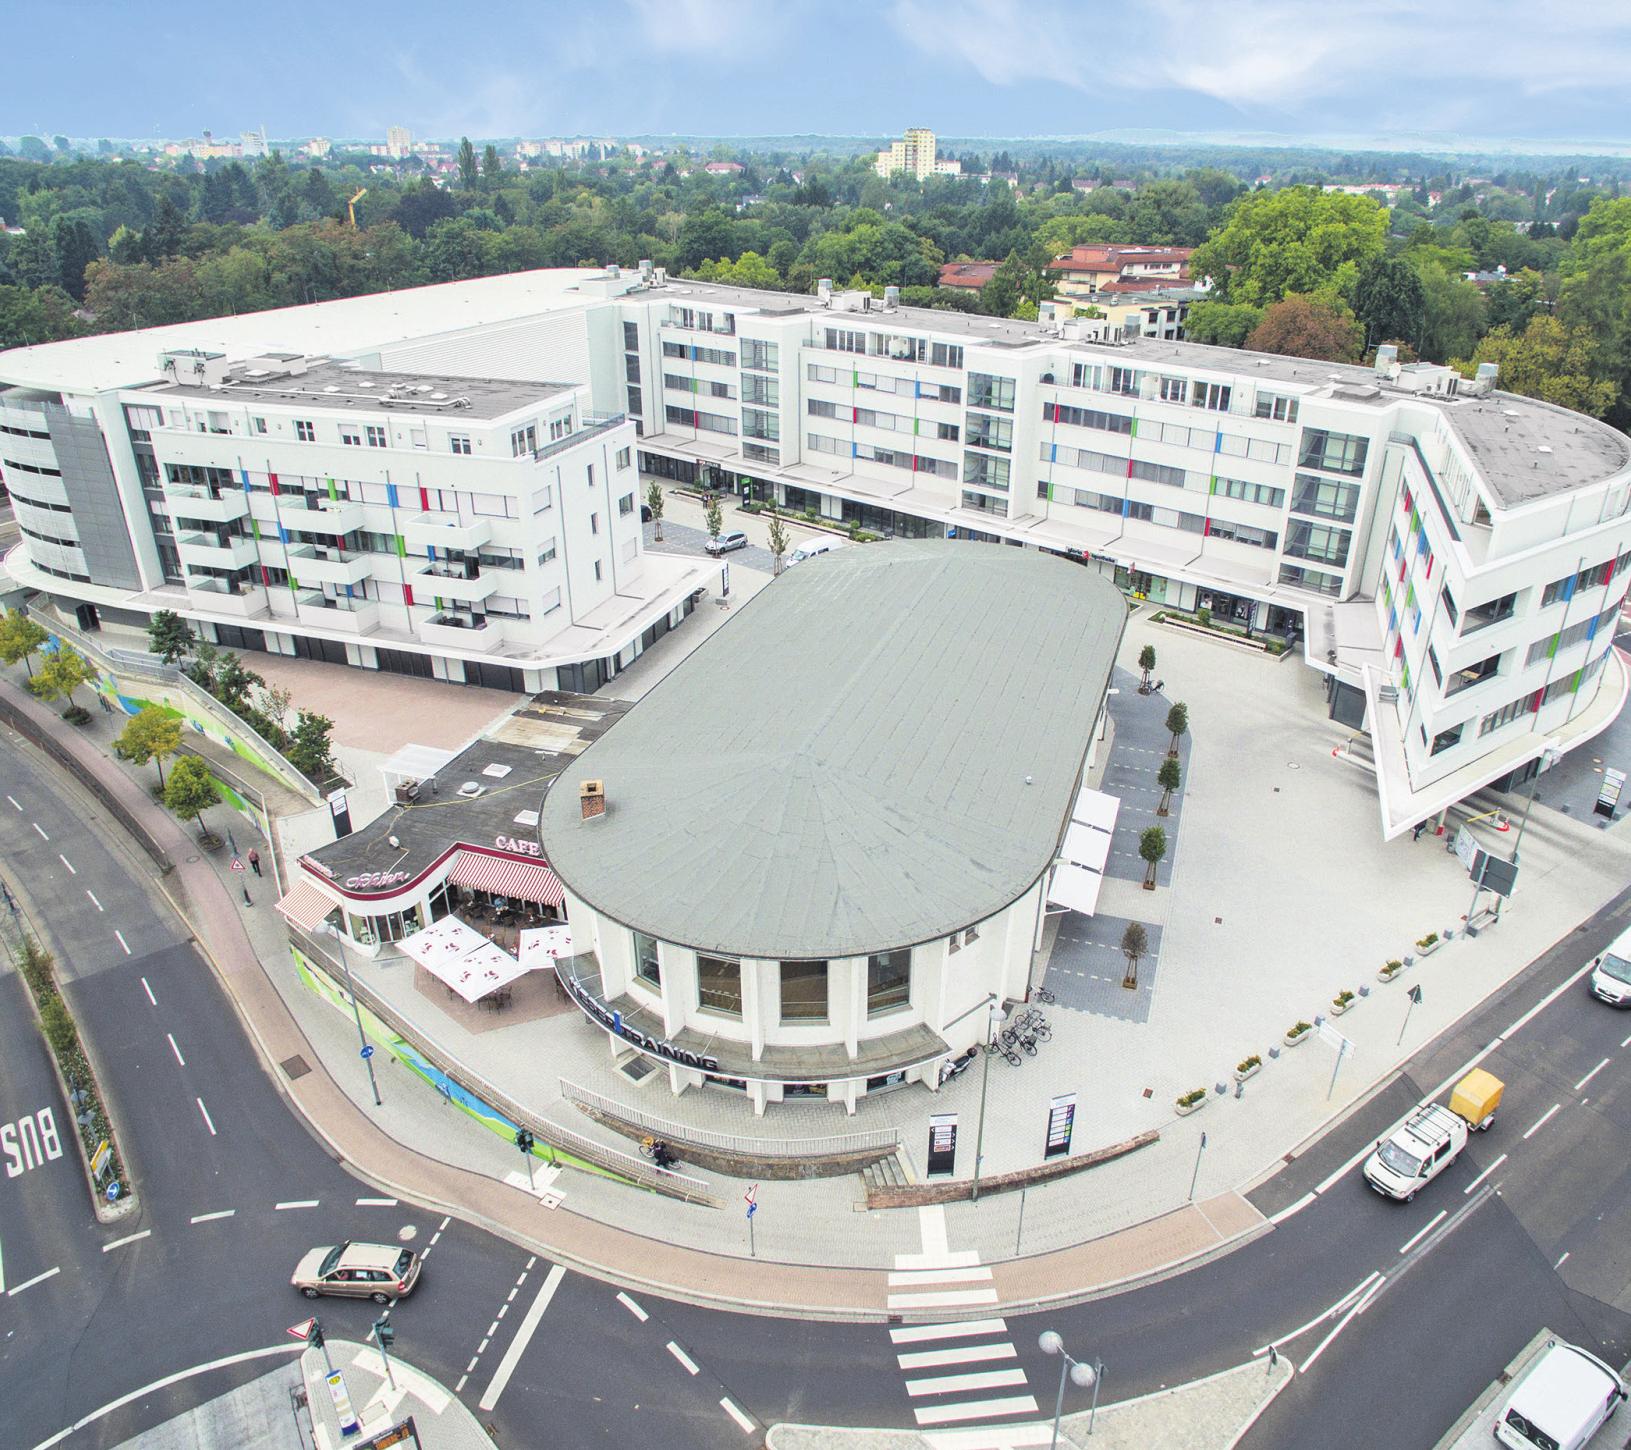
(471, 789)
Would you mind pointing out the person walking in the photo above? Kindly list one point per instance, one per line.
(254, 860)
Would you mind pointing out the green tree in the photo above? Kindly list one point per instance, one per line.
(1453, 319)
(1223, 324)
(1152, 849)
(1299, 326)
(1549, 361)
(32, 315)
(1513, 302)
(713, 517)
(61, 672)
(191, 791)
(76, 249)
(1298, 239)
(151, 734)
(1169, 777)
(1595, 292)
(778, 541)
(170, 637)
(1135, 943)
(20, 637)
(233, 682)
(491, 167)
(1146, 663)
(1389, 301)
(310, 749)
(469, 168)
(1177, 725)
(654, 502)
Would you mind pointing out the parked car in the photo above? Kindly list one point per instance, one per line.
(724, 543)
(1565, 1398)
(811, 547)
(381, 1272)
(1611, 973)
(645, 513)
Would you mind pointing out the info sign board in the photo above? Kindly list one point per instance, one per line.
(942, 1143)
(403, 1433)
(1061, 1122)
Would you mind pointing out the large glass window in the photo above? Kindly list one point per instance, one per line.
(719, 985)
(1325, 498)
(888, 981)
(758, 354)
(1333, 452)
(985, 391)
(804, 991)
(647, 967)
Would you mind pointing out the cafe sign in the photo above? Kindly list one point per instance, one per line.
(613, 1022)
(374, 880)
(517, 846)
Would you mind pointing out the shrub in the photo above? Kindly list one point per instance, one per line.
(752, 506)
(1189, 1099)
(1298, 1028)
(1249, 1063)
(1342, 998)
(1203, 617)
(1393, 966)
(57, 1025)
(1428, 940)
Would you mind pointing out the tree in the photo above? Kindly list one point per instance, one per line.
(1146, 662)
(165, 237)
(151, 734)
(20, 637)
(1177, 725)
(233, 682)
(1223, 324)
(1297, 239)
(654, 502)
(1389, 300)
(76, 249)
(61, 672)
(1300, 326)
(1169, 777)
(1549, 361)
(491, 166)
(170, 637)
(192, 791)
(1152, 849)
(778, 541)
(713, 518)
(1454, 316)
(1135, 943)
(310, 750)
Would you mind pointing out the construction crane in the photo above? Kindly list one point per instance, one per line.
(351, 206)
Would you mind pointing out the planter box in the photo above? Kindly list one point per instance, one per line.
(1185, 1109)
(1222, 636)
(1338, 1008)
(1430, 948)
(1251, 1071)
(1389, 976)
(1299, 1039)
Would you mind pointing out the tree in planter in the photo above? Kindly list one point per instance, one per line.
(1169, 777)
(1146, 662)
(151, 734)
(1152, 848)
(713, 518)
(20, 637)
(191, 791)
(654, 502)
(170, 637)
(233, 683)
(1135, 943)
(62, 672)
(310, 751)
(778, 541)
(1177, 725)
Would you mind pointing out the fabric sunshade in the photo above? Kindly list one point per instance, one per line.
(525, 880)
(478, 973)
(1075, 888)
(306, 906)
(541, 947)
(445, 941)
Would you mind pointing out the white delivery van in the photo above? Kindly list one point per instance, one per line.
(1561, 1403)
(1611, 972)
(811, 547)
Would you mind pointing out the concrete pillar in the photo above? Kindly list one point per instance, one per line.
(759, 1000)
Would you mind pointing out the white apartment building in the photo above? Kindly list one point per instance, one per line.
(398, 141)
(913, 154)
(1419, 532)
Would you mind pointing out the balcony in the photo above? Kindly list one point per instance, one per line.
(456, 629)
(222, 596)
(591, 425)
(1458, 680)
(460, 583)
(1482, 616)
(444, 532)
(194, 501)
(319, 514)
(316, 564)
(353, 616)
(216, 551)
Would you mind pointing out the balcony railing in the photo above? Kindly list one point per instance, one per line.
(592, 424)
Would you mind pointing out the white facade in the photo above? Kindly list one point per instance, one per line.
(912, 154)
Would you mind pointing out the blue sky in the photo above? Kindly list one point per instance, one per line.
(1497, 70)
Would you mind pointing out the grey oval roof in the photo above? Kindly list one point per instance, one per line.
(841, 768)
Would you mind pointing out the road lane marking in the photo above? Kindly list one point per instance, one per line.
(94, 902)
(481, 1348)
(1626, 1043)
(1292, 1208)
(1431, 1224)
(150, 997)
(1319, 1319)
(211, 1217)
(30, 1283)
(206, 1112)
(742, 1420)
(164, 1384)
(969, 1354)
(1485, 1174)
(1541, 1121)
(976, 1410)
(376, 1203)
(685, 1359)
(1544, 1003)
(66, 862)
(173, 1048)
(1341, 1324)
(296, 1203)
(2, 1275)
(523, 1337)
(949, 1299)
(127, 1239)
(123, 942)
(1559, 1263)
(509, 1298)
(1593, 1073)
(37, 827)
(962, 1329)
(13, 800)
(957, 1384)
(633, 1308)
(905, 1278)
(458, 1389)
(492, 1329)
(503, 1309)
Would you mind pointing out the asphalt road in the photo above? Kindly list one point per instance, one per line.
(234, 1189)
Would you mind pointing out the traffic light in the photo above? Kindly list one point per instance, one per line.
(524, 1140)
(314, 1334)
(384, 1332)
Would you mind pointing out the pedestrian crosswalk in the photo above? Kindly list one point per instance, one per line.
(965, 1371)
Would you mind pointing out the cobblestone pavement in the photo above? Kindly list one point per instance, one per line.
(1086, 969)
(683, 539)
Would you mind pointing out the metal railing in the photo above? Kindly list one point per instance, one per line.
(591, 426)
(833, 1145)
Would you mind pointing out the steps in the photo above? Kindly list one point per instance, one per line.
(887, 1172)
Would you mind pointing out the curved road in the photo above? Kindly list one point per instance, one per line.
(234, 1189)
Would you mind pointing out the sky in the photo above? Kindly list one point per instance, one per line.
(1498, 70)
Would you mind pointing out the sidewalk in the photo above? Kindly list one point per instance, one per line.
(441, 1421)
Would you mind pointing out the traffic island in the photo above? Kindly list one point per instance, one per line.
(348, 1385)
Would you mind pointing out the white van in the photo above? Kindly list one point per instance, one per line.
(1611, 972)
(1561, 1403)
(811, 547)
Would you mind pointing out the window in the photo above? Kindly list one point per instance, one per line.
(946, 354)
(376, 435)
(546, 552)
(719, 985)
(591, 477)
(636, 401)
(986, 472)
(985, 391)
(625, 457)
(1481, 616)
(1174, 390)
(1158, 473)
(631, 368)
(946, 432)
(1325, 498)
(1250, 492)
(304, 431)
(761, 356)
(524, 440)
(542, 500)
(1448, 600)
(1276, 406)
(1446, 738)
(1086, 418)
(1212, 396)
(631, 336)
(971, 936)
(804, 991)
(597, 569)
(1318, 542)
(840, 339)
(1504, 716)
(594, 523)
(350, 436)
(985, 431)
(1333, 452)
(559, 427)
(625, 505)
(459, 443)
(647, 965)
(260, 425)
(888, 981)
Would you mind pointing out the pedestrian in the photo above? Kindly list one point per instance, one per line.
(254, 860)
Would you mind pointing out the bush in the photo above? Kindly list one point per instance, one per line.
(1428, 940)
(1203, 617)
(77, 715)
(57, 1025)
(1189, 1099)
(1298, 1028)
(752, 506)
(1249, 1063)
(1395, 965)
(1342, 998)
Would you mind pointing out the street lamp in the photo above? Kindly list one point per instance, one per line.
(1080, 1374)
(364, 1046)
(995, 1017)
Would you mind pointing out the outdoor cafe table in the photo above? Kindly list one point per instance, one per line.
(444, 942)
(480, 973)
(540, 947)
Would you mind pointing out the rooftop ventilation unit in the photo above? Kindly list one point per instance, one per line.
(471, 789)
(891, 298)
(824, 291)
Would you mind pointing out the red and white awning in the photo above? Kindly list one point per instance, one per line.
(505, 876)
(305, 906)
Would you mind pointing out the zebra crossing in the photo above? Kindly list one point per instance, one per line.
(943, 1364)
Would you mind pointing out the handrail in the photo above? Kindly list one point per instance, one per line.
(882, 1139)
(590, 428)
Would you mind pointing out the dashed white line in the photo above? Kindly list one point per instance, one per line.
(633, 1308)
(1626, 1043)
(481, 1348)
(211, 1217)
(296, 1203)
(13, 800)
(66, 862)
(1593, 1073)
(1422, 1233)
(458, 1389)
(492, 1329)
(207, 1123)
(523, 1336)
(150, 997)
(94, 902)
(49, 1273)
(38, 827)
(376, 1203)
(685, 1359)
(1559, 1263)
(1485, 1174)
(1541, 1121)
(123, 942)
(127, 1239)
(175, 1049)
(745, 1424)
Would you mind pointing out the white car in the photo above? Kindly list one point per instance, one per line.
(1427, 1143)
(811, 547)
(1561, 1402)
(1611, 972)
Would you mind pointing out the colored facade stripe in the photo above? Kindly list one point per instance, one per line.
(401, 547)
(390, 495)
(407, 594)
(424, 498)
(271, 479)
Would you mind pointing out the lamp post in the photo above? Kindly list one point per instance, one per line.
(1080, 1374)
(995, 1016)
(1546, 751)
(363, 1045)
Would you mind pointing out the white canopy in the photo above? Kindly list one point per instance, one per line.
(1086, 847)
(445, 941)
(1096, 809)
(1075, 888)
(542, 945)
(478, 974)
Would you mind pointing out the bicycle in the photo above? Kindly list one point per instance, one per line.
(1042, 994)
(1013, 1058)
(1028, 1045)
(657, 1150)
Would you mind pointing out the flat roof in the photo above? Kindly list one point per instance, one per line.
(332, 387)
(881, 747)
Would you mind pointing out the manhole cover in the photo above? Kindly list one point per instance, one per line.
(191, 859)
(1149, 1092)
(1292, 765)
(407, 1233)
(294, 1067)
